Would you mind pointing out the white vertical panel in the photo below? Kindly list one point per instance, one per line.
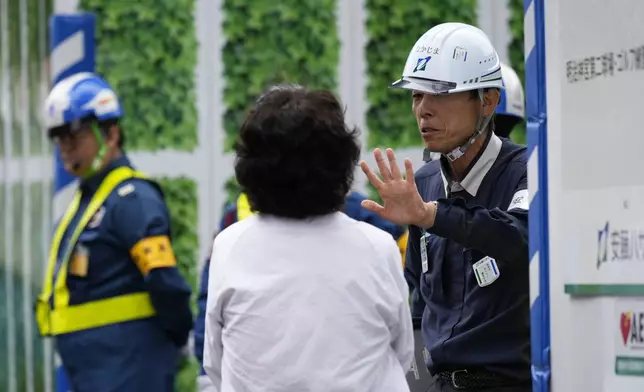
(65, 6)
(219, 163)
(210, 190)
(351, 23)
(493, 18)
(5, 91)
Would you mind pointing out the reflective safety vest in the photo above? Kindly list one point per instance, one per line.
(402, 245)
(243, 207)
(62, 318)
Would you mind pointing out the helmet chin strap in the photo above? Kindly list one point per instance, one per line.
(97, 163)
(429, 156)
(481, 124)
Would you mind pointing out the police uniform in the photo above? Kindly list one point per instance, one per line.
(113, 297)
(241, 210)
(471, 269)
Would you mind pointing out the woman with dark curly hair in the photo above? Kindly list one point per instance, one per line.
(300, 296)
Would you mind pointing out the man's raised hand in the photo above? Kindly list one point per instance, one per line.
(402, 202)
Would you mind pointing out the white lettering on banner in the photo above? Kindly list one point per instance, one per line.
(520, 200)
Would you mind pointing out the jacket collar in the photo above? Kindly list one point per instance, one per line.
(91, 184)
(477, 170)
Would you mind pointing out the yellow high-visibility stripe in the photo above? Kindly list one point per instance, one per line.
(64, 318)
(102, 312)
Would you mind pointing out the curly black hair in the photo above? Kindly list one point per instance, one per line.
(295, 154)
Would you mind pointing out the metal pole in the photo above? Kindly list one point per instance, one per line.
(534, 37)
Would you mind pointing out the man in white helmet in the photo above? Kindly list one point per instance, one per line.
(467, 214)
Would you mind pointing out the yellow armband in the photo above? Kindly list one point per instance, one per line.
(153, 252)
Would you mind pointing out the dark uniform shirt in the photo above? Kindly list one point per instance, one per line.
(466, 326)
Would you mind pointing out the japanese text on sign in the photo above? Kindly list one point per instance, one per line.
(605, 65)
(619, 245)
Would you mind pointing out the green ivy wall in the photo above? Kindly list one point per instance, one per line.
(147, 50)
(268, 42)
(181, 195)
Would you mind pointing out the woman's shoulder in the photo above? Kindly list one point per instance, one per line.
(379, 238)
(233, 232)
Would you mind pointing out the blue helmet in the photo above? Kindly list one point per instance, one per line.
(79, 97)
(512, 101)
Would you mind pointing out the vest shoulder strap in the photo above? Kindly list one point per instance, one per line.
(243, 207)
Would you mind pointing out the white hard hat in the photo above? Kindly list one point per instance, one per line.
(449, 58)
(512, 102)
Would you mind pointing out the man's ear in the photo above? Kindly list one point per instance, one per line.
(113, 136)
(491, 97)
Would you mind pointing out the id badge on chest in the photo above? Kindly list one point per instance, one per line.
(423, 250)
(486, 271)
